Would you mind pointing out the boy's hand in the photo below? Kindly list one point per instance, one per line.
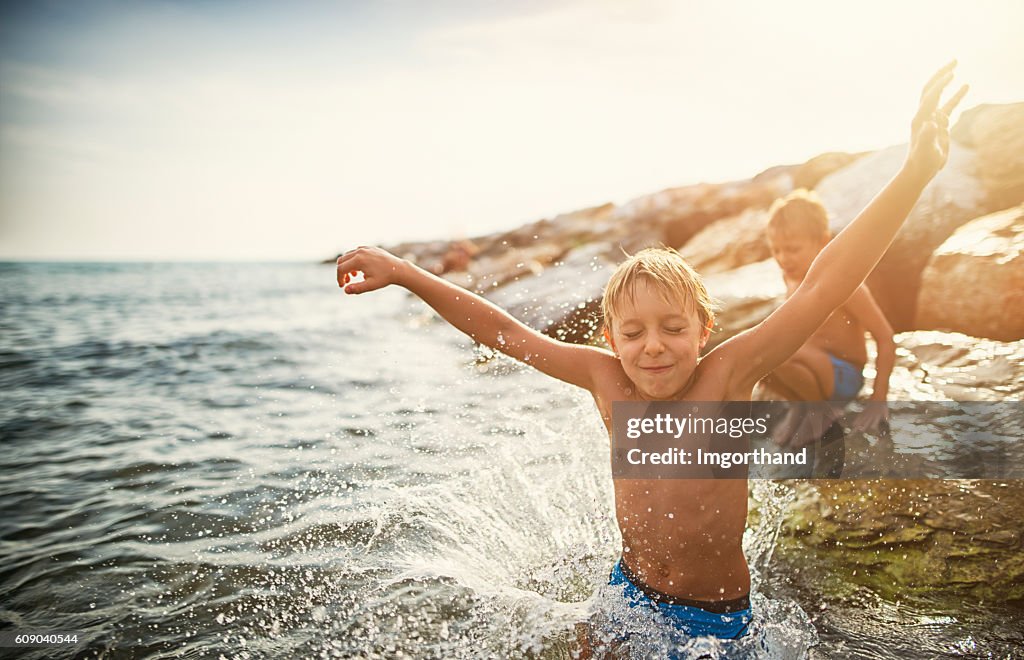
(873, 419)
(929, 131)
(379, 268)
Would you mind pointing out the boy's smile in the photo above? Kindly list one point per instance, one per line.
(658, 342)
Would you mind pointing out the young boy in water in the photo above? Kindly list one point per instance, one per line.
(682, 551)
(828, 366)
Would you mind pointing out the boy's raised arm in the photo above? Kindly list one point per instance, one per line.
(844, 263)
(481, 319)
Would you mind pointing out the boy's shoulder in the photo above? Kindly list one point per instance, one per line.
(713, 377)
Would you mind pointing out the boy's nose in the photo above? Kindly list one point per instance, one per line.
(653, 346)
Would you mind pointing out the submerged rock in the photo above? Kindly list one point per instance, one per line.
(974, 282)
(909, 537)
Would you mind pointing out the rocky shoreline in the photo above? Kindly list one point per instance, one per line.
(954, 266)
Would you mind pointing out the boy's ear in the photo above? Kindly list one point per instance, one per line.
(706, 334)
(608, 338)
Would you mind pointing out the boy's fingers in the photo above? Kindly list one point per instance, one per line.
(951, 104)
(358, 287)
(349, 262)
(934, 87)
(345, 269)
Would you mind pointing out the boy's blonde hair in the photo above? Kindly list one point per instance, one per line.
(799, 213)
(665, 270)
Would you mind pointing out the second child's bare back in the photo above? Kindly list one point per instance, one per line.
(841, 335)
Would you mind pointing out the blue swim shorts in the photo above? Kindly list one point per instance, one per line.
(848, 379)
(726, 619)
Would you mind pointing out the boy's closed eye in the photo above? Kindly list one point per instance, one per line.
(633, 334)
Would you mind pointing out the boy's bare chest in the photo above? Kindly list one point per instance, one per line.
(707, 386)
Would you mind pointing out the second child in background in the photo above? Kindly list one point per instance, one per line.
(829, 366)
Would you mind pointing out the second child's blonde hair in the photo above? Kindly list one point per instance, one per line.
(669, 274)
(800, 213)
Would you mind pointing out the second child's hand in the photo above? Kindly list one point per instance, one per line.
(873, 419)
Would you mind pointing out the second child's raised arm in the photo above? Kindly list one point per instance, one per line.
(477, 317)
(844, 263)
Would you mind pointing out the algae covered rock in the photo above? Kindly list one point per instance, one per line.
(912, 536)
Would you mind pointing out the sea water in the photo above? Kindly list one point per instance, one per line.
(238, 460)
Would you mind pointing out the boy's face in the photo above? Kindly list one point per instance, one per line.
(794, 252)
(658, 343)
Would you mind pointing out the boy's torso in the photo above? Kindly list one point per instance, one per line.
(682, 537)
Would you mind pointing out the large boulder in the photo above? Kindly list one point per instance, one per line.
(564, 301)
(996, 133)
(564, 231)
(974, 282)
(811, 173)
(745, 296)
(740, 239)
(729, 243)
(953, 198)
(497, 268)
(680, 213)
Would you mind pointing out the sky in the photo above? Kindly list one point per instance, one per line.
(230, 130)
